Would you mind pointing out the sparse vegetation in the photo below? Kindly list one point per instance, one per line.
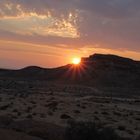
(65, 116)
(42, 115)
(4, 107)
(15, 110)
(137, 118)
(28, 110)
(63, 107)
(29, 116)
(76, 111)
(117, 113)
(121, 127)
(50, 113)
(33, 102)
(105, 113)
(130, 132)
(89, 131)
(52, 105)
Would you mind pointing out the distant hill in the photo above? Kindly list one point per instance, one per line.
(97, 70)
(112, 70)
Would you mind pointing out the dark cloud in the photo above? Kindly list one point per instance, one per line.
(108, 8)
(111, 8)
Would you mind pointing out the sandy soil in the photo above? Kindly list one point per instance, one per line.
(57, 104)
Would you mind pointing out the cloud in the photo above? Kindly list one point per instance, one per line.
(17, 18)
(107, 8)
(33, 24)
(76, 23)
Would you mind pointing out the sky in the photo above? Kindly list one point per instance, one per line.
(49, 33)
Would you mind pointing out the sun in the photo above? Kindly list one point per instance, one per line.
(76, 60)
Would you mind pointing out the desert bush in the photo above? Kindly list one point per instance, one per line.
(96, 117)
(18, 113)
(130, 132)
(15, 110)
(4, 107)
(121, 127)
(32, 102)
(50, 113)
(96, 112)
(137, 118)
(65, 116)
(116, 113)
(76, 111)
(42, 115)
(81, 131)
(5, 120)
(109, 134)
(89, 131)
(52, 105)
(83, 107)
(29, 116)
(34, 114)
(105, 113)
(28, 110)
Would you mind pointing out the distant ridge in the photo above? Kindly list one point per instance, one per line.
(109, 58)
(96, 70)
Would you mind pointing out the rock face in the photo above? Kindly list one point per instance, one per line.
(96, 70)
(111, 70)
(111, 61)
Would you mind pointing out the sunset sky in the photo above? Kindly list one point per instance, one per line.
(49, 33)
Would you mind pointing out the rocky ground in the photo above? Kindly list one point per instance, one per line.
(39, 110)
